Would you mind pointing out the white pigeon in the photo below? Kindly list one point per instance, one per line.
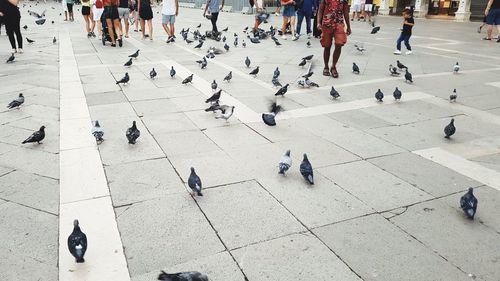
(226, 112)
(285, 163)
(456, 68)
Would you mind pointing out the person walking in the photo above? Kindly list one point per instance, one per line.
(146, 15)
(69, 4)
(278, 8)
(492, 13)
(356, 9)
(213, 7)
(306, 11)
(11, 17)
(113, 21)
(65, 9)
(169, 10)
(368, 10)
(333, 22)
(97, 10)
(86, 13)
(124, 14)
(288, 18)
(408, 24)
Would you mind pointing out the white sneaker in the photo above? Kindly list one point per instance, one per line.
(397, 52)
(309, 35)
(409, 52)
(295, 38)
(277, 14)
(20, 51)
(283, 37)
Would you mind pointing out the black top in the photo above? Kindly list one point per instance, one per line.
(495, 5)
(123, 4)
(9, 10)
(369, 2)
(407, 28)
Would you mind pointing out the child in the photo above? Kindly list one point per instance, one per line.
(408, 24)
(169, 11)
(213, 6)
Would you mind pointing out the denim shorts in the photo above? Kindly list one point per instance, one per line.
(493, 17)
(289, 11)
(166, 19)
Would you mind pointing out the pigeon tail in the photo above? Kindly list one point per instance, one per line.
(199, 193)
(80, 260)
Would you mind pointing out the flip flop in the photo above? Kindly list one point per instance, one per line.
(326, 72)
(335, 74)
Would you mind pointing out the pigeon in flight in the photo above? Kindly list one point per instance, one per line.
(468, 203)
(172, 72)
(97, 132)
(200, 44)
(128, 63)
(335, 95)
(276, 83)
(194, 183)
(379, 95)
(306, 170)
(214, 85)
(282, 91)
(393, 70)
(202, 63)
(408, 76)
(152, 73)
(302, 63)
(375, 29)
(37, 136)
(29, 40)
(213, 107)
(269, 118)
(309, 57)
(11, 58)
(355, 68)
(17, 102)
(450, 129)
(134, 55)
(276, 73)
(453, 97)
(124, 80)
(77, 242)
(254, 72)
(400, 65)
(132, 133)
(397, 94)
(229, 76)
(214, 98)
(227, 112)
(277, 43)
(188, 79)
(285, 163)
(456, 68)
(247, 62)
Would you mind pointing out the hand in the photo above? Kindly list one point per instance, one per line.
(1, 14)
(486, 12)
(348, 31)
(176, 13)
(319, 26)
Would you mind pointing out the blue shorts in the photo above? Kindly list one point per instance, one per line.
(493, 17)
(289, 11)
(166, 19)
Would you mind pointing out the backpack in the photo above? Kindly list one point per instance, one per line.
(98, 4)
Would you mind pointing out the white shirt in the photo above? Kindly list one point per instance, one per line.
(168, 7)
(258, 2)
(356, 2)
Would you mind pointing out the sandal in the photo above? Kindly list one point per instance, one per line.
(326, 72)
(335, 74)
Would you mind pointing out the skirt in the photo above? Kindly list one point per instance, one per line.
(111, 12)
(85, 10)
(146, 13)
(289, 11)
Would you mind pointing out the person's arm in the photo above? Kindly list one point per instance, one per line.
(488, 6)
(14, 2)
(206, 7)
(138, 5)
(222, 6)
(176, 7)
(319, 16)
(346, 19)
(409, 23)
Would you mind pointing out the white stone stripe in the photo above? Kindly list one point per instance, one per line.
(84, 193)
(461, 165)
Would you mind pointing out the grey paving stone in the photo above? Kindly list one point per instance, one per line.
(377, 250)
(15, 157)
(359, 119)
(112, 111)
(168, 123)
(154, 107)
(234, 136)
(105, 98)
(294, 257)
(186, 142)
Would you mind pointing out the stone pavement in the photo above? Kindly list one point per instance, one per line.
(385, 202)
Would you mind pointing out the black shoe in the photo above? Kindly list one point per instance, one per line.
(113, 45)
(120, 42)
(498, 40)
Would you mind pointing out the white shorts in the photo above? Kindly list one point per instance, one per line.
(356, 8)
(97, 13)
(64, 5)
(368, 7)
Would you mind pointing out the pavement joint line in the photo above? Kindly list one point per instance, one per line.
(462, 165)
(105, 259)
(30, 207)
(482, 115)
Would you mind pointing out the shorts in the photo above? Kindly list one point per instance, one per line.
(70, 7)
(146, 13)
(65, 6)
(111, 12)
(493, 17)
(97, 12)
(85, 10)
(166, 19)
(289, 11)
(123, 13)
(356, 8)
(368, 7)
(330, 34)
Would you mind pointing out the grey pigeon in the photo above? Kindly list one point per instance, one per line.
(276, 83)
(285, 163)
(17, 102)
(213, 107)
(375, 29)
(282, 91)
(468, 203)
(453, 97)
(194, 183)
(397, 94)
(308, 44)
(359, 48)
(229, 76)
(269, 118)
(215, 97)
(227, 112)
(97, 132)
(128, 63)
(202, 63)
(302, 63)
(450, 129)
(77, 242)
(308, 74)
(355, 68)
(54, 40)
(306, 170)
(172, 72)
(393, 70)
(225, 29)
(132, 133)
(37, 136)
(400, 65)
(247, 62)
(124, 80)
(277, 43)
(254, 40)
(408, 76)
(310, 83)
(335, 95)
(226, 47)
(276, 73)
(134, 55)
(244, 44)
(309, 57)
(223, 39)
(456, 68)
(235, 43)
(254, 72)
(152, 73)
(379, 95)
(188, 79)
(214, 85)
(11, 58)
(199, 45)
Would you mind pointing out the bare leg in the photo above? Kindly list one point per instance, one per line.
(285, 23)
(167, 30)
(109, 23)
(335, 59)
(326, 56)
(489, 31)
(172, 29)
(87, 24)
(143, 29)
(150, 28)
(92, 24)
(126, 26)
(292, 25)
(118, 27)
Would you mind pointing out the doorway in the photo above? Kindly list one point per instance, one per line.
(443, 7)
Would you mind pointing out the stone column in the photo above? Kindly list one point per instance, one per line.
(384, 7)
(463, 12)
(421, 9)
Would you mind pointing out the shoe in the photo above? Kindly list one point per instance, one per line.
(277, 14)
(397, 52)
(352, 19)
(113, 45)
(498, 40)
(486, 38)
(120, 42)
(283, 37)
(20, 51)
(479, 29)
(409, 52)
(295, 38)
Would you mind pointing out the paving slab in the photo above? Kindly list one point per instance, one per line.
(186, 142)
(234, 136)
(15, 157)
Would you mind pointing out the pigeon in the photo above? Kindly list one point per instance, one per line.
(282, 91)
(132, 133)
(276, 73)
(194, 183)
(453, 97)
(269, 118)
(235, 43)
(306, 170)
(215, 97)
(450, 129)
(254, 72)
(359, 48)
(224, 39)
(355, 68)
(189, 41)
(199, 45)
(227, 112)
(214, 85)
(277, 43)
(152, 73)
(310, 83)
(29, 40)
(400, 65)
(308, 44)
(226, 47)
(379, 95)
(124, 80)
(456, 68)
(25, 27)
(302, 63)
(309, 57)
(308, 74)
(198, 26)
(11, 58)
(408, 77)
(17, 102)
(393, 70)
(245, 29)
(228, 77)
(276, 83)
(247, 62)
(375, 29)
(335, 95)
(134, 55)
(397, 94)
(203, 63)
(128, 63)
(225, 29)
(54, 40)
(285, 163)
(213, 107)
(244, 44)
(188, 79)
(172, 72)
(37, 136)
(97, 132)
(77, 242)
(468, 203)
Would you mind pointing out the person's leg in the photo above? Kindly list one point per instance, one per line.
(118, 30)
(283, 29)
(150, 28)
(308, 24)
(92, 24)
(87, 24)
(109, 23)
(398, 42)
(489, 30)
(143, 23)
(213, 19)
(17, 31)
(335, 59)
(9, 28)
(172, 26)
(407, 42)
(292, 25)
(300, 18)
(326, 57)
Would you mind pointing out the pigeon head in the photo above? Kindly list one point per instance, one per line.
(21, 95)
(353, 63)
(126, 73)
(42, 129)
(97, 123)
(133, 125)
(192, 170)
(470, 190)
(76, 223)
(287, 153)
(397, 61)
(305, 157)
(286, 85)
(454, 90)
(452, 121)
